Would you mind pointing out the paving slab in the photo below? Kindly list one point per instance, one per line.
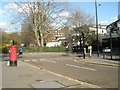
(69, 83)
(98, 60)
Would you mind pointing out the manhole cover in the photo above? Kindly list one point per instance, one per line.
(25, 75)
(48, 84)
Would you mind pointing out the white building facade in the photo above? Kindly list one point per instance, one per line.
(101, 29)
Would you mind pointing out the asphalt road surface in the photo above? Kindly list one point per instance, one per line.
(100, 75)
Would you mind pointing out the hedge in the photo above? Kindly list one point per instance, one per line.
(45, 49)
(36, 49)
(53, 49)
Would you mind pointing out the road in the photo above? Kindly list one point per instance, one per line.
(100, 75)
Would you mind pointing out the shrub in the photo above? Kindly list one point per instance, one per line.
(5, 48)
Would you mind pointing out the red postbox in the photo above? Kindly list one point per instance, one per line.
(13, 56)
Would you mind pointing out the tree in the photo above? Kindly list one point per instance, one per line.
(27, 35)
(7, 37)
(79, 18)
(80, 21)
(40, 15)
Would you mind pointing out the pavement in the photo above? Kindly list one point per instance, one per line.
(25, 75)
(94, 59)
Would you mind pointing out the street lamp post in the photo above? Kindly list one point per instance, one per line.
(97, 27)
(84, 50)
(111, 42)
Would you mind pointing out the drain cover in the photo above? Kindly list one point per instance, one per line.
(48, 84)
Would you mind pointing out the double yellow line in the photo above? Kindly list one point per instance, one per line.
(74, 80)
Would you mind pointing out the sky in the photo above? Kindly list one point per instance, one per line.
(107, 12)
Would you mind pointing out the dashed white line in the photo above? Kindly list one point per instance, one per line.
(47, 60)
(81, 67)
(26, 60)
(52, 61)
(57, 58)
(42, 59)
(34, 60)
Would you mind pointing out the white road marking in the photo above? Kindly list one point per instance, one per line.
(81, 67)
(52, 61)
(57, 58)
(47, 60)
(42, 59)
(26, 60)
(34, 60)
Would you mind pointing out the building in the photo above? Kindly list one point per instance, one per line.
(101, 29)
(114, 27)
(58, 34)
(57, 38)
(111, 41)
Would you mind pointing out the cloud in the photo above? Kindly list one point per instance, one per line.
(9, 26)
(2, 12)
(111, 20)
(11, 6)
(103, 22)
(5, 24)
(8, 10)
(62, 14)
(18, 8)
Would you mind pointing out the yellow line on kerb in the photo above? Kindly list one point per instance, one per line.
(75, 80)
(87, 84)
